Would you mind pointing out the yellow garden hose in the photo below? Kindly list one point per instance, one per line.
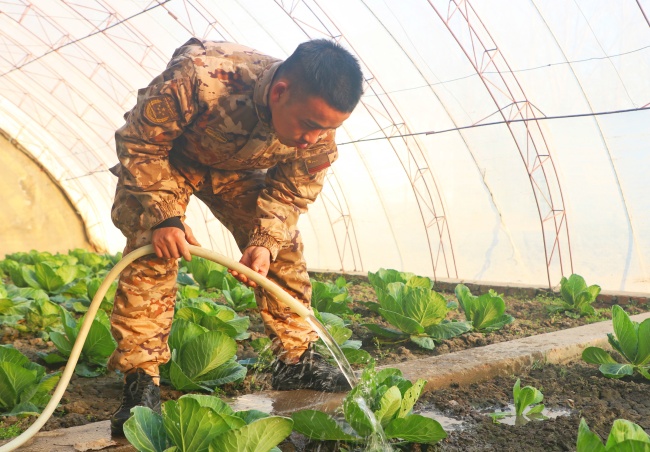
(260, 280)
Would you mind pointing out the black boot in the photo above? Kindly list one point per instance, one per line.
(311, 372)
(139, 390)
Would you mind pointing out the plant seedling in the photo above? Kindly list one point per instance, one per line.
(631, 339)
(527, 397)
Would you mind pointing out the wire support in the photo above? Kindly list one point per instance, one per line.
(75, 41)
(496, 123)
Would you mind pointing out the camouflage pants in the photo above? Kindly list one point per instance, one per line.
(144, 301)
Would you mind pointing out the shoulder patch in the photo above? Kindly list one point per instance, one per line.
(317, 163)
(161, 109)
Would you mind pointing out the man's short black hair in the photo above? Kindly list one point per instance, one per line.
(325, 69)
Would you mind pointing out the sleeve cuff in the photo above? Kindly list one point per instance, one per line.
(267, 242)
(173, 222)
(160, 212)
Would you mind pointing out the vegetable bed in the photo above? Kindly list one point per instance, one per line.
(578, 388)
(43, 298)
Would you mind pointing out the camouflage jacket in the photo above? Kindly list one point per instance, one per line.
(206, 113)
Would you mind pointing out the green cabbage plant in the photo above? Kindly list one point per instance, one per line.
(107, 302)
(631, 339)
(215, 278)
(97, 348)
(41, 314)
(77, 297)
(331, 297)
(485, 312)
(238, 296)
(382, 400)
(383, 277)
(27, 309)
(577, 297)
(15, 303)
(625, 436)
(201, 359)
(201, 423)
(186, 292)
(418, 314)
(33, 257)
(208, 274)
(24, 386)
(50, 278)
(14, 269)
(98, 264)
(213, 316)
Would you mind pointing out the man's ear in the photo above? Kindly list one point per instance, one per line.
(279, 90)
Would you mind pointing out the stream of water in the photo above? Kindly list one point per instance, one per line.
(377, 442)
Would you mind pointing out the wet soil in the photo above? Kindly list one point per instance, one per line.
(579, 388)
(90, 400)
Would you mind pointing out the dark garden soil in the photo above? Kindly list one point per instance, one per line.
(578, 387)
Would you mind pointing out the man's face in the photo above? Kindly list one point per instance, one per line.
(300, 121)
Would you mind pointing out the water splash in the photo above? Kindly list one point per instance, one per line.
(334, 349)
(377, 442)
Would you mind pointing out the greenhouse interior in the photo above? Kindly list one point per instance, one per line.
(476, 265)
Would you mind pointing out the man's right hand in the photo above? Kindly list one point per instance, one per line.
(171, 243)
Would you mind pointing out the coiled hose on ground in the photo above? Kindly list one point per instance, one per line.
(260, 280)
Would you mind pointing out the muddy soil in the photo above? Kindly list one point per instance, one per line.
(577, 388)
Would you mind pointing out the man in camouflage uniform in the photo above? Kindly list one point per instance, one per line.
(252, 137)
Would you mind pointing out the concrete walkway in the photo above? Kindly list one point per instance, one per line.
(462, 368)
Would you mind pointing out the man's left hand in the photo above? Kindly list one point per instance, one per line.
(258, 259)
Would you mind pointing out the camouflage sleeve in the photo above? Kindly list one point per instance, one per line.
(143, 144)
(290, 188)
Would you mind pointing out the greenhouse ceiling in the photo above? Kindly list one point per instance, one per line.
(496, 140)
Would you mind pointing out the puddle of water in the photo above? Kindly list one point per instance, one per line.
(511, 419)
(286, 402)
(453, 424)
(260, 401)
(448, 423)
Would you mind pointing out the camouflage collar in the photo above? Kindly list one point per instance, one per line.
(261, 93)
